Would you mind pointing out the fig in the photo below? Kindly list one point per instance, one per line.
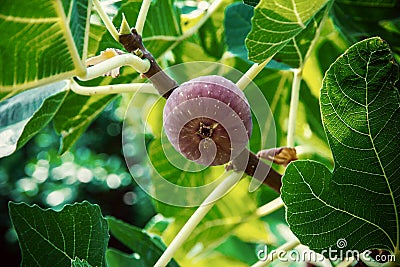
(208, 120)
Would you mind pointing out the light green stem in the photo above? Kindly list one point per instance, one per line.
(251, 74)
(141, 19)
(197, 216)
(147, 88)
(270, 207)
(140, 65)
(294, 103)
(106, 20)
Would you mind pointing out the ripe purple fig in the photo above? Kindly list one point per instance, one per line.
(208, 120)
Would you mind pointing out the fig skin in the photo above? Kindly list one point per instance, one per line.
(208, 120)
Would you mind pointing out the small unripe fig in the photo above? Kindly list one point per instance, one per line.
(208, 120)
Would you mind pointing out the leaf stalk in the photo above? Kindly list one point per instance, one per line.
(147, 88)
(294, 104)
(251, 73)
(162, 81)
(140, 65)
(106, 20)
(197, 216)
(141, 19)
(270, 207)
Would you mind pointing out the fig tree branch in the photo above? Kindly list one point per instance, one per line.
(133, 43)
(250, 164)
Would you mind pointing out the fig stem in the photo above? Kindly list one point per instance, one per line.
(257, 169)
(112, 88)
(162, 81)
(273, 256)
(294, 103)
(141, 19)
(197, 216)
(106, 20)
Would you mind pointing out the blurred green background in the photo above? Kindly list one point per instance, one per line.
(93, 170)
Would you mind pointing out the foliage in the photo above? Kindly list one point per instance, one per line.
(78, 231)
(363, 81)
(349, 125)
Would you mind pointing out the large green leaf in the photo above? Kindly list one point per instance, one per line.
(76, 114)
(50, 238)
(293, 54)
(42, 41)
(147, 249)
(25, 114)
(276, 24)
(237, 26)
(358, 19)
(78, 14)
(359, 201)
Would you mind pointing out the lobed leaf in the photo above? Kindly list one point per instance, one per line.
(50, 238)
(292, 55)
(359, 201)
(276, 24)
